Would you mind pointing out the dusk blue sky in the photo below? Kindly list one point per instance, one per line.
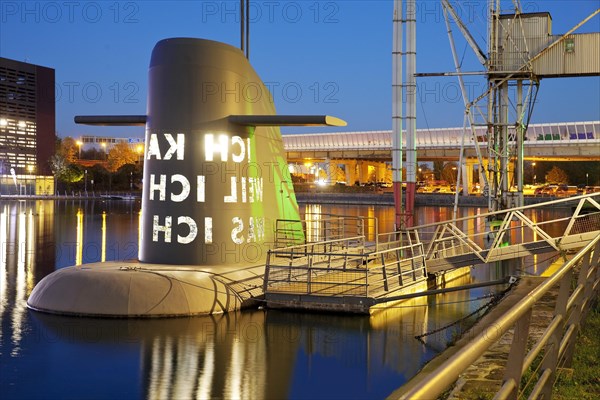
(321, 57)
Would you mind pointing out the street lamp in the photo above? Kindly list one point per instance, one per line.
(79, 144)
(587, 179)
(139, 149)
(534, 175)
(103, 144)
(85, 181)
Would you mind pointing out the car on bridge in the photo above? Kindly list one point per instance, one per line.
(546, 191)
(566, 191)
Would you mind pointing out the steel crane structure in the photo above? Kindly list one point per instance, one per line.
(521, 50)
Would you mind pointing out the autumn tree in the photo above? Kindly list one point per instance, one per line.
(424, 173)
(68, 149)
(438, 167)
(450, 173)
(93, 154)
(120, 154)
(557, 176)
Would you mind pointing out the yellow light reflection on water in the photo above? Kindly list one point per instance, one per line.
(160, 366)
(79, 238)
(534, 219)
(313, 221)
(208, 371)
(233, 385)
(19, 310)
(30, 251)
(3, 267)
(139, 232)
(371, 224)
(103, 255)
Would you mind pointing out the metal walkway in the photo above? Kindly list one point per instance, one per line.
(334, 272)
(512, 235)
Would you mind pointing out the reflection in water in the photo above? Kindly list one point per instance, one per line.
(20, 283)
(3, 268)
(103, 251)
(232, 356)
(79, 238)
(253, 354)
(312, 215)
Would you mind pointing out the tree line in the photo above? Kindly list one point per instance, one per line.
(540, 172)
(117, 168)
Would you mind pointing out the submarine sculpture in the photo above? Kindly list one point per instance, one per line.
(215, 181)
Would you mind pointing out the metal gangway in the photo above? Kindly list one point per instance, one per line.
(353, 274)
(510, 234)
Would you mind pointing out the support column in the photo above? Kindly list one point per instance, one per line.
(504, 181)
(468, 172)
(397, 114)
(482, 173)
(520, 148)
(328, 167)
(411, 111)
(350, 172)
(363, 171)
(380, 172)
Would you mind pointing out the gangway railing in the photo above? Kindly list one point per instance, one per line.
(321, 227)
(553, 350)
(352, 266)
(339, 268)
(509, 233)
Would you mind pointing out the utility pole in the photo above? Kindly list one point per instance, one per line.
(404, 215)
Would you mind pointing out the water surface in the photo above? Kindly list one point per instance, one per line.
(251, 354)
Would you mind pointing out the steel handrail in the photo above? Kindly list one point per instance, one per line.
(595, 196)
(312, 244)
(447, 373)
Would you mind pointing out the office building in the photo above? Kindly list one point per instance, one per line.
(27, 123)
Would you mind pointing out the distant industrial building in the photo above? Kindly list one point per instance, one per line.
(27, 127)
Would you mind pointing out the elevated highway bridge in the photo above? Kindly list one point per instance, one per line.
(563, 141)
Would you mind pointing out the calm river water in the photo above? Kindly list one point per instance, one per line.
(252, 354)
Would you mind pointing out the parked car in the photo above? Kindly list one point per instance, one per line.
(549, 190)
(538, 190)
(566, 191)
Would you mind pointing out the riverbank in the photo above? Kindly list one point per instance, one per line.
(387, 199)
(314, 197)
(77, 196)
